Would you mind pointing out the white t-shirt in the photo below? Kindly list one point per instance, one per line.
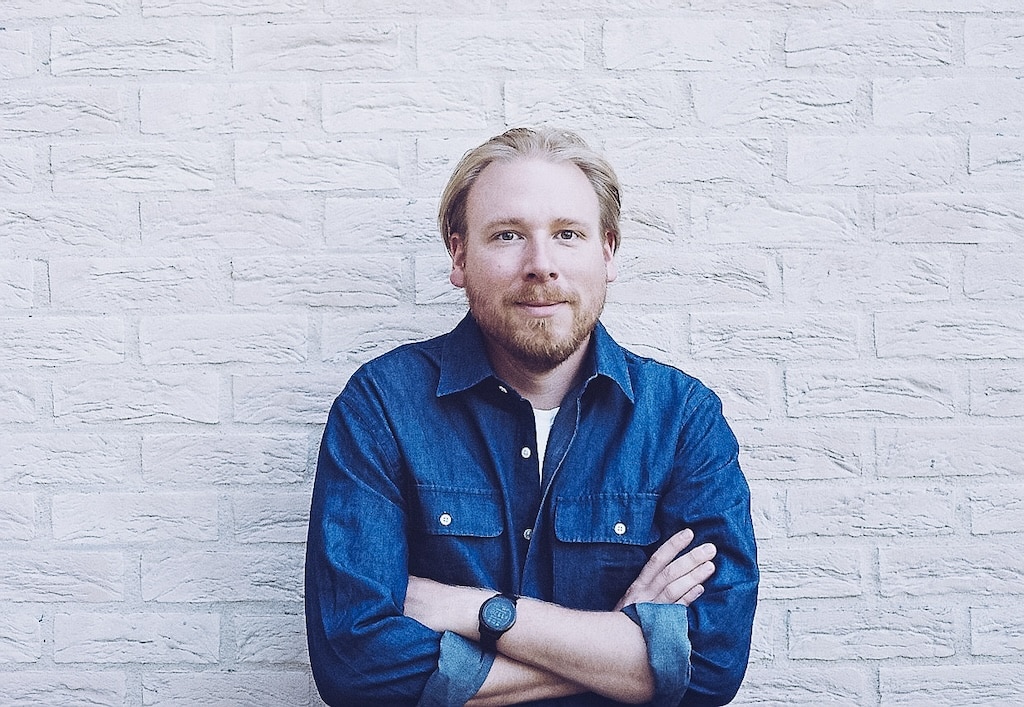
(543, 419)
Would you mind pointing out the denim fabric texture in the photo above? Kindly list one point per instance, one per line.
(428, 467)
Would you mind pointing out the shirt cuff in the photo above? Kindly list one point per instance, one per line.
(665, 629)
(461, 669)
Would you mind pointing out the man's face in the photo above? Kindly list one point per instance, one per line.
(534, 262)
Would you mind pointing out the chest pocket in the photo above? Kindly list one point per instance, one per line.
(626, 518)
(461, 512)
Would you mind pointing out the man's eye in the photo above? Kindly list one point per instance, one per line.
(506, 236)
(567, 235)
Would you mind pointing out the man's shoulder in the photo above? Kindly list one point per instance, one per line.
(658, 380)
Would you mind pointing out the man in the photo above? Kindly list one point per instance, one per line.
(499, 513)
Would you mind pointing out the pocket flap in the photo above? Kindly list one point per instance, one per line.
(455, 511)
(626, 518)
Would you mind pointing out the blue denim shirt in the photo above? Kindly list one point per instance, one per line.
(427, 467)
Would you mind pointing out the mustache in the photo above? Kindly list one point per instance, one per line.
(541, 293)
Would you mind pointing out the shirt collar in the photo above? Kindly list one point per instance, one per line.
(464, 361)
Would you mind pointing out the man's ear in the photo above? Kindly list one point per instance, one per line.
(457, 249)
(610, 268)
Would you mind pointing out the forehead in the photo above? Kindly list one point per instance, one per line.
(532, 189)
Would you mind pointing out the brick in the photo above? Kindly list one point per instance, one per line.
(490, 44)
(356, 338)
(436, 157)
(137, 168)
(810, 572)
(852, 42)
(95, 50)
(60, 340)
(17, 284)
(997, 43)
(270, 639)
(33, 225)
(333, 281)
(17, 168)
(654, 162)
(949, 218)
(136, 283)
(332, 47)
(57, 687)
(951, 335)
(357, 164)
(685, 44)
(432, 284)
(896, 392)
(654, 218)
(64, 458)
(879, 633)
(856, 275)
(962, 6)
(689, 278)
(51, 9)
(657, 333)
(191, 8)
(982, 570)
(16, 54)
(994, 277)
(17, 399)
(835, 685)
(215, 576)
(997, 631)
(275, 107)
(764, 335)
(22, 639)
(991, 102)
(64, 110)
(224, 459)
(733, 101)
(17, 519)
(789, 453)
(375, 107)
(134, 517)
(382, 223)
(223, 338)
(996, 509)
(744, 392)
(628, 102)
(778, 219)
(767, 512)
(938, 450)
(228, 221)
(291, 399)
(899, 161)
(281, 518)
(871, 510)
(425, 8)
(997, 392)
(273, 687)
(168, 397)
(136, 638)
(762, 643)
(48, 576)
(996, 160)
(951, 685)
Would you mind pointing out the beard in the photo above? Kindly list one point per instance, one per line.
(536, 343)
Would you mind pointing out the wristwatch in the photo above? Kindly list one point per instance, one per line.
(497, 615)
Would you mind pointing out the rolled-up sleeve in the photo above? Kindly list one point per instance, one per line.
(664, 627)
(461, 670)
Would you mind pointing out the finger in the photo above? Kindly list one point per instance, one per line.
(694, 558)
(664, 555)
(691, 596)
(680, 588)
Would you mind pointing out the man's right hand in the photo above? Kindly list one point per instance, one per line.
(666, 579)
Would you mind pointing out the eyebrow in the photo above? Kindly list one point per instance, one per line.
(514, 222)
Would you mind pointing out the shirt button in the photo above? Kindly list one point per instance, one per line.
(525, 451)
(503, 389)
(619, 528)
(445, 519)
(528, 533)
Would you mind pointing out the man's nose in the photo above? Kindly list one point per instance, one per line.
(540, 261)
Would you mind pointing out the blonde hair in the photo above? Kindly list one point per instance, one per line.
(545, 143)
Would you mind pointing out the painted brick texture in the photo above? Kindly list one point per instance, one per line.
(212, 212)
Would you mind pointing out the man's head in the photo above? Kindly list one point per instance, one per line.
(532, 243)
(543, 143)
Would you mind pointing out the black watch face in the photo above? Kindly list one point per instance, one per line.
(499, 614)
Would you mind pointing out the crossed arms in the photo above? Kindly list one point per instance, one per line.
(553, 651)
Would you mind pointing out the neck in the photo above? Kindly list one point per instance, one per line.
(544, 389)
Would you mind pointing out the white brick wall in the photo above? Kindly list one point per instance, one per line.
(212, 211)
